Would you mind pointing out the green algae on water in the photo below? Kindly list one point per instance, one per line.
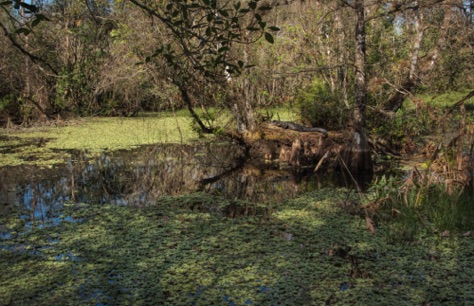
(185, 250)
(49, 145)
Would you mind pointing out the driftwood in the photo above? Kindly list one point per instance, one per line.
(299, 127)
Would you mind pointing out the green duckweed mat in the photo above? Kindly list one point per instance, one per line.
(186, 250)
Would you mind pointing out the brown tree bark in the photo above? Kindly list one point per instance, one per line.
(357, 155)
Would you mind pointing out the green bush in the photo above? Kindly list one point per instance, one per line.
(320, 107)
(408, 125)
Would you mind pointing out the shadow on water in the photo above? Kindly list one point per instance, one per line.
(138, 177)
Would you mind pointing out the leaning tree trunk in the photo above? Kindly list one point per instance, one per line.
(419, 70)
(396, 100)
(357, 155)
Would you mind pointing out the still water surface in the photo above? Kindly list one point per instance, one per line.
(140, 176)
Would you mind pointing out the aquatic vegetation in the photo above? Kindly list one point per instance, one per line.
(48, 145)
(187, 250)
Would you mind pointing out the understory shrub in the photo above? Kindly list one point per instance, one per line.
(418, 206)
(407, 127)
(320, 107)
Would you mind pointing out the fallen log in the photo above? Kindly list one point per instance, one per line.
(299, 127)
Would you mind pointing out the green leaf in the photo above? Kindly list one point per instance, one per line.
(234, 36)
(24, 31)
(223, 13)
(252, 5)
(240, 63)
(35, 22)
(253, 29)
(269, 37)
(38, 19)
(265, 8)
(223, 49)
(276, 29)
(237, 6)
(31, 8)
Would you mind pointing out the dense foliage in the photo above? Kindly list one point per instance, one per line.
(320, 107)
(74, 58)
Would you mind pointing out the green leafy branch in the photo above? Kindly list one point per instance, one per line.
(204, 32)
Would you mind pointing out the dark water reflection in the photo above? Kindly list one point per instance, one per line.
(140, 176)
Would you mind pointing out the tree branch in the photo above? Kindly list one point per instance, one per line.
(37, 60)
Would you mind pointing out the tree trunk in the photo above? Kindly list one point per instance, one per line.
(396, 100)
(417, 70)
(242, 104)
(357, 155)
(243, 114)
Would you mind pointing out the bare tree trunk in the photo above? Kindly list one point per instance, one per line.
(243, 113)
(357, 153)
(342, 59)
(396, 100)
(187, 100)
(417, 70)
(242, 108)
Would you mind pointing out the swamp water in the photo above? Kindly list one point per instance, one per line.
(37, 205)
(140, 176)
(130, 228)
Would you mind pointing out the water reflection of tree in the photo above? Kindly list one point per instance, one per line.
(138, 177)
